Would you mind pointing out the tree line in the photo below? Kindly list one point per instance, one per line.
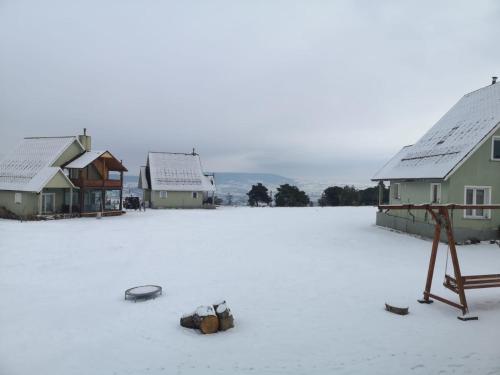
(350, 196)
(291, 196)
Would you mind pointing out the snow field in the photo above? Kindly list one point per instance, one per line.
(306, 286)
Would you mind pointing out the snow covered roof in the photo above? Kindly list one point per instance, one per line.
(85, 159)
(29, 167)
(177, 172)
(450, 141)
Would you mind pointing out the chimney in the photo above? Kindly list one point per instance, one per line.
(85, 140)
(494, 80)
(194, 153)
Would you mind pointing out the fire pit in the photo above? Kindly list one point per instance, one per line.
(143, 292)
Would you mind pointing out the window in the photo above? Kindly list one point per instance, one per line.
(477, 195)
(195, 195)
(495, 148)
(18, 198)
(435, 193)
(163, 194)
(395, 191)
(73, 173)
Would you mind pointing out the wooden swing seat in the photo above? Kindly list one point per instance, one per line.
(473, 282)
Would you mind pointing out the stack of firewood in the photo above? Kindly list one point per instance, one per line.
(209, 319)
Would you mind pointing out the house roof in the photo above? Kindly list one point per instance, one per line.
(29, 167)
(88, 157)
(470, 122)
(177, 172)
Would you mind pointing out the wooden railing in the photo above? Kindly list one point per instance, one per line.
(97, 183)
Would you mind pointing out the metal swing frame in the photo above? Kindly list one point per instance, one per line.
(456, 283)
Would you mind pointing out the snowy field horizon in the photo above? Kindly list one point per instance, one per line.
(307, 288)
(237, 184)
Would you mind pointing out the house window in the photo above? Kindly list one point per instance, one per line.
(477, 195)
(73, 173)
(18, 198)
(163, 194)
(195, 195)
(495, 148)
(435, 193)
(395, 191)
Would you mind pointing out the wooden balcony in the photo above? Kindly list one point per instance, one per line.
(107, 184)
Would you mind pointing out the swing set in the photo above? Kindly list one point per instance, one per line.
(457, 283)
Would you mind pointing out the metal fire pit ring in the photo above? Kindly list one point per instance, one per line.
(143, 292)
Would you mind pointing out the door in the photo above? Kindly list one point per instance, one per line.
(48, 203)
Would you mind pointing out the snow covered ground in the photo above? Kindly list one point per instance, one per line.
(307, 288)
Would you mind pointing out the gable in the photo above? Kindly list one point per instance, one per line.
(71, 152)
(59, 180)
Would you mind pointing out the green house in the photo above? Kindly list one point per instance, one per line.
(456, 161)
(59, 177)
(176, 180)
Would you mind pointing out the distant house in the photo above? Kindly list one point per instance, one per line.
(176, 180)
(456, 161)
(47, 176)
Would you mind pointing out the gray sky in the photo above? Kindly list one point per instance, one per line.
(315, 89)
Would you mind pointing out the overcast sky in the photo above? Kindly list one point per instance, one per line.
(314, 89)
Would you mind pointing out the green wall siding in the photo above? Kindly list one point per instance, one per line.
(415, 192)
(176, 199)
(478, 170)
(29, 204)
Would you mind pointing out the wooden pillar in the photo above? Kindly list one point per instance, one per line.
(40, 203)
(432, 261)
(454, 259)
(81, 195)
(70, 200)
(103, 199)
(121, 190)
(380, 193)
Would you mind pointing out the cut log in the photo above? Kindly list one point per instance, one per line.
(188, 321)
(396, 310)
(217, 304)
(206, 320)
(226, 319)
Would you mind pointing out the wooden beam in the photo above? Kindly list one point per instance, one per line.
(427, 206)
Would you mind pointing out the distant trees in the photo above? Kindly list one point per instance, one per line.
(258, 194)
(350, 196)
(291, 196)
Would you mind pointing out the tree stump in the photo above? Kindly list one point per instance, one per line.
(226, 320)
